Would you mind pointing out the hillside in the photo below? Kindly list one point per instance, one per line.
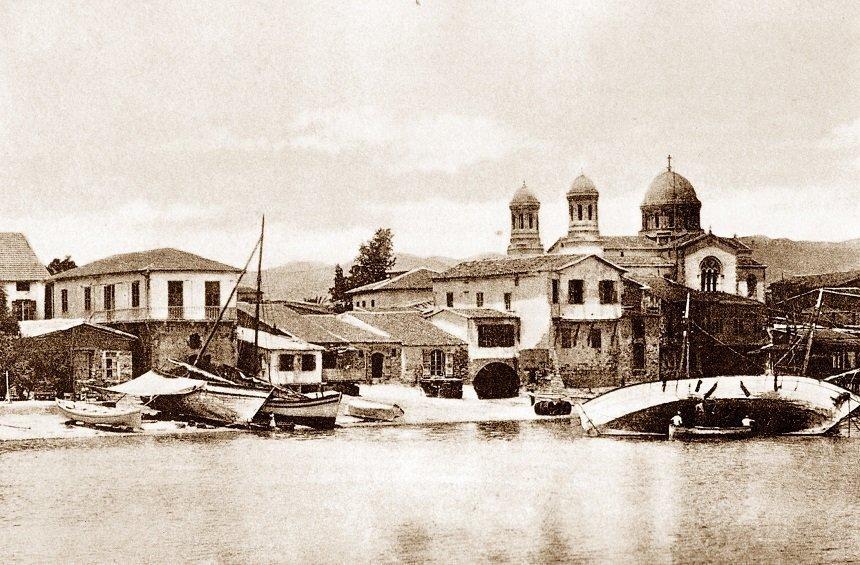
(307, 279)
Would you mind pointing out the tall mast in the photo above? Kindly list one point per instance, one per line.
(686, 349)
(812, 322)
(258, 297)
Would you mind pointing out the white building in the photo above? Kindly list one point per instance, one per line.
(22, 276)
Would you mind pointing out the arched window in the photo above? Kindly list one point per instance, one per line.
(522, 221)
(656, 220)
(437, 363)
(710, 269)
(579, 207)
(531, 221)
(513, 221)
(589, 211)
(570, 209)
(752, 285)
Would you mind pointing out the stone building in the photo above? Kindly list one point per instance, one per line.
(402, 290)
(169, 299)
(22, 276)
(426, 351)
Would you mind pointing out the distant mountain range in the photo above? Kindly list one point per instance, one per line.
(299, 280)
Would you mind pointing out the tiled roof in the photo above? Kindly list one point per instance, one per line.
(409, 327)
(482, 313)
(509, 266)
(640, 261)
(18, 262)
(39, 328)
(416, 279)
(746, 261)
(803, 283)
(348, 332)
(167, 259)
(672, 291)
(628, 242)
(281, 317)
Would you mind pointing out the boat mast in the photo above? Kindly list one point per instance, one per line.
(812, 324)
(257, 366)
(687, 338)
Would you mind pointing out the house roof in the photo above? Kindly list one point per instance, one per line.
(166, 259)
(803, 283)
(348, 332)
(272, 342)
(409, 327)
(515, 265)
(672, 291)
(39, 328)
(628, 242)
(747, 261)
(18, 262)
(477, 313)
(420, 278)
(314, 328)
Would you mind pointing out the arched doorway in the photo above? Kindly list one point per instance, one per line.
(496, 380)
(377, 362)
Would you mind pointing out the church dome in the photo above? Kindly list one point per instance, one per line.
(582, 185)
(670, 188)
(524, 195)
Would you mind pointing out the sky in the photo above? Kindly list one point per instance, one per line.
(127, 126)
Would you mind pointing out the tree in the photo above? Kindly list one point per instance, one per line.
(60, 265)
(338, 291)
(375, 259)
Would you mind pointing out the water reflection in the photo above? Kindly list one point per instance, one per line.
(489, 431)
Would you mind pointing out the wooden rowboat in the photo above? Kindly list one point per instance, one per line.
(96, 414)
(701, 432)
(316, 411)
(371, 410)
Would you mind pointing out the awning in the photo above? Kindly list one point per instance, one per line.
(153, 383)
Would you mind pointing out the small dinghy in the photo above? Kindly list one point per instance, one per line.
(372, 410)
(98, 415)
(701, 432)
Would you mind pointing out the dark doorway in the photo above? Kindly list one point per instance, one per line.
(377, 362)
(496, 380)
(175, 299)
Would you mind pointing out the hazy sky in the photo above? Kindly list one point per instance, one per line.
(126, 126)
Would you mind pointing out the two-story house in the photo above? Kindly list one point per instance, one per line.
(22, 276)
(564, 314)
(169, 298)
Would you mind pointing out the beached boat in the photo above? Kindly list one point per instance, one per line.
(782, 404)
(99, 415)
(702, 432)
(372, 410)
(317, 410)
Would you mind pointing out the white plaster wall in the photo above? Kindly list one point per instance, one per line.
(591, 271)
(36, 293)
(298, 376)
(728, 278)
(391, 298)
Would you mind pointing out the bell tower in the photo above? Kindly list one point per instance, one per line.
(582, 200)
(525, 223)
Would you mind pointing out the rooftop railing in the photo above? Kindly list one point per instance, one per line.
(164, 313)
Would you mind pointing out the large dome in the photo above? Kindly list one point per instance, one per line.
(670, 188)
(582, 185)
(524, 196)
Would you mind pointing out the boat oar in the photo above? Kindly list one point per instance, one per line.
(16, 427)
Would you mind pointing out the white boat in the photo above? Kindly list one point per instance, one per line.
(703, 432)
(778, 404)
(316, 411)
(372, 410)
(96, 414)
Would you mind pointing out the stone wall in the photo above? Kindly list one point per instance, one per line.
(180, 341)
(417, 362)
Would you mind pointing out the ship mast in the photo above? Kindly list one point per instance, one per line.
(258, 297)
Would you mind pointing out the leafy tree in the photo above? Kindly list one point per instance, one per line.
(8, 322)
(338, 291)
(60, 265)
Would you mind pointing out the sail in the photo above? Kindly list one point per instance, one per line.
(153, 383)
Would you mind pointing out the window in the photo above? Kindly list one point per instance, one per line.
(394, 353)
(175, 299)
(109, 297)
(437, 363)
(88, 298)
(513, 221)
(594, 338)
(22, 286)
(566, 342)
(607, 292)
(24, 310)
(507, 301)
(479, 299)
(555, 291)
(135, 294)
(531, 221)
(580, 211)
(212, 299)
(517, 280)
(286, 362)
(64, 301)
(589, 212)
(752, 286)
(496, 335)
(575, 291)
(638, 356)
(638, 328)
(710, 270)
(449, 299)
(194, 341)
(372, 303)
(329, 360)
(309, 362)
(109, 364)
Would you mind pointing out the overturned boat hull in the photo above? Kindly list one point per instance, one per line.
(318, 412)
(370, 410)
(779, 405)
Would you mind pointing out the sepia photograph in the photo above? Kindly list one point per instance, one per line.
(429, 281)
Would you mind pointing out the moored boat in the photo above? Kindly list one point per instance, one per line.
(372, 410)
(316, 411)
(97, 414)
(703, 432)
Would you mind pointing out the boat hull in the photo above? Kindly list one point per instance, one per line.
(95, 414)
(315, 412)
(369, 410)
(705, 433)
(216, 403)
(779, 405)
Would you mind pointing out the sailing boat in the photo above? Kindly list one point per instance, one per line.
(779, 404)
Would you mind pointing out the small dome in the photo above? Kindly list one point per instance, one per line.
(582, 185)
(524, 196)
(670, 188)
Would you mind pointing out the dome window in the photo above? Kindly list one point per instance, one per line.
(710, 270)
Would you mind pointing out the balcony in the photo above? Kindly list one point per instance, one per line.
(164, 313)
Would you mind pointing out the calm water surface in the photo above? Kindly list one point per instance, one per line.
(527, 492)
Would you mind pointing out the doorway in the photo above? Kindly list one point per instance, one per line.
(377, 363)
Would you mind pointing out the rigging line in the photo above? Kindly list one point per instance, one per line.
(729, 347)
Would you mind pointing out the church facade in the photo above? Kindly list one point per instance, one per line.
(671, 242)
